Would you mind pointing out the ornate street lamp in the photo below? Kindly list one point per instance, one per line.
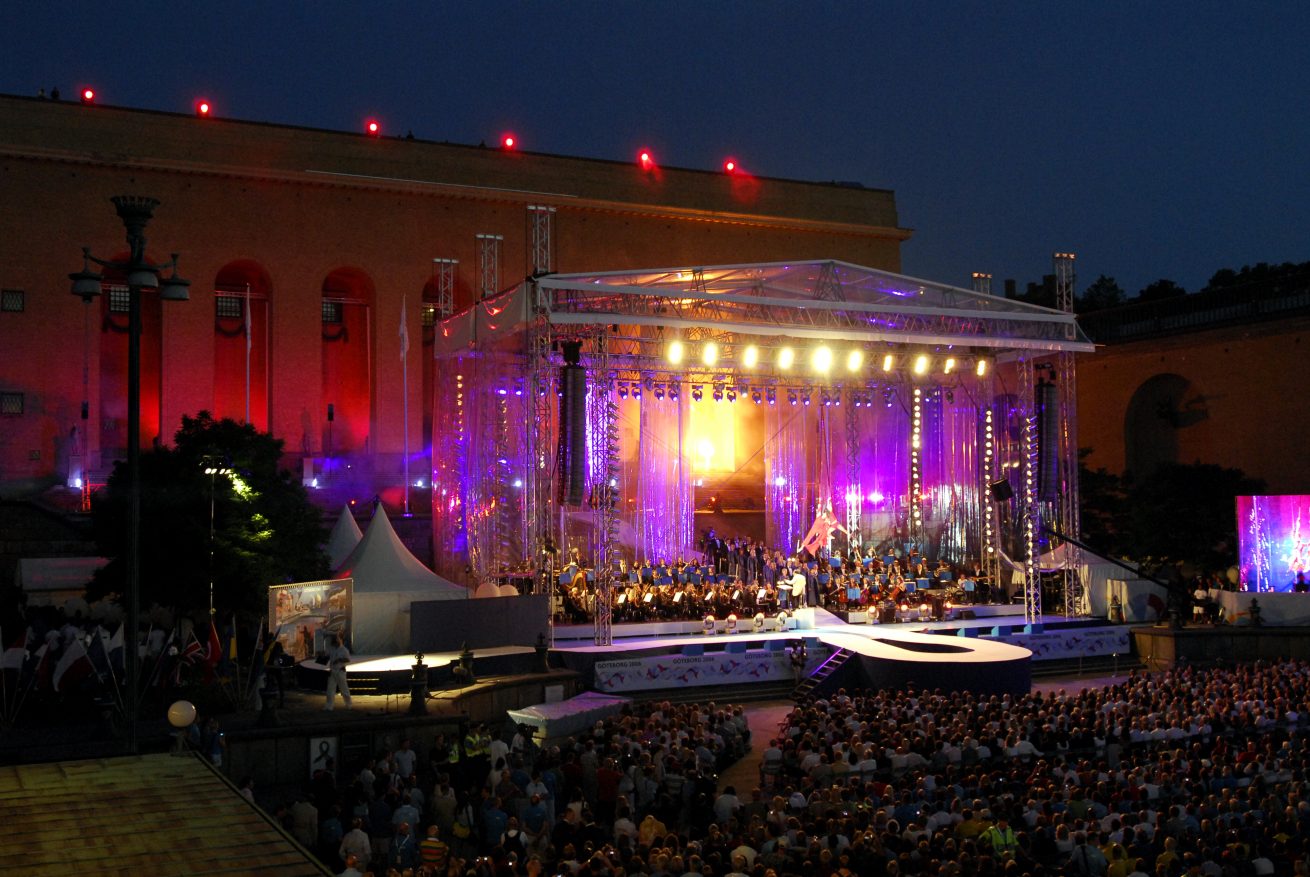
(135, 211)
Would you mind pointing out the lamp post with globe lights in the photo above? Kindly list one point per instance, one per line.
(142, 276)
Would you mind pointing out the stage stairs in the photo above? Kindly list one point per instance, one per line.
(827, 672)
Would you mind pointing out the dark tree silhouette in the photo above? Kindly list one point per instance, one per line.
(1103, 292)
(265, 530)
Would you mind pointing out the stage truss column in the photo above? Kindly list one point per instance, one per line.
(605, 492)
(1069, 514)
(488, 264)
(541, 220)
(854, 489)
(538, 521)
(1029, 509)
(989, 473)
(915, 517)
(443, 273)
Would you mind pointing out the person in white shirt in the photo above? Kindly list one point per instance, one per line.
(338, 658)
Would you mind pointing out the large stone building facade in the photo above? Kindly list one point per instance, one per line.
(304, 248)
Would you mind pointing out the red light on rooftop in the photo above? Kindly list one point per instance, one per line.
(730, 165)
(372, 127)
(202, 108)
(88, 95)
(646, 160)
(508, 141)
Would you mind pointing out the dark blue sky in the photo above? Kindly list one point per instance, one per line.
(1152, 139)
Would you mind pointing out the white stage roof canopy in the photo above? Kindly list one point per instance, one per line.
(824, 300)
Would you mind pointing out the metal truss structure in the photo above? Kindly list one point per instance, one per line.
(989, 472)
(489, 264)
(1029, 508)
(1068, 516)
(605, 489)
(982, 283)
(854, 488)
(541, 221)
(443, 275)
(915, 519)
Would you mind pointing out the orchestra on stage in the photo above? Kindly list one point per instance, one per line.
(740, 577)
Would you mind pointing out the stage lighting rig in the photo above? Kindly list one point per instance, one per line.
(697, 392)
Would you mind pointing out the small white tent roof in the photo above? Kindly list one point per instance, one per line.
(345, 536)
(381, 563)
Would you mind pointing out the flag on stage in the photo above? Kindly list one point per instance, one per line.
(404, 332)
(74, 666)
(824, 526)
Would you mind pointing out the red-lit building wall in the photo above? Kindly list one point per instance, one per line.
(299, 216)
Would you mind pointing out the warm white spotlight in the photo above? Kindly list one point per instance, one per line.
(786, 357)
(751, 356)
(921, 363)
(888, 362)
(822, 359)
(981, 370)
(854, 360)
(949, 366)
(709, 354)
(674, 352)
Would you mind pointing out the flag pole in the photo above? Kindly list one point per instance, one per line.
(404, 385)
(248, 334)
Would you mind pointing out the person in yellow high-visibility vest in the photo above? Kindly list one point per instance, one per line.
(1000, 839)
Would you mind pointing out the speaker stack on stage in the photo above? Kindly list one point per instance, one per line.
(572, 457)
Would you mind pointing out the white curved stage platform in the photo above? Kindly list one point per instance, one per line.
(887, 656)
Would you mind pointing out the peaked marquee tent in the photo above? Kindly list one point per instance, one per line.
(388, 577)
(343, 539)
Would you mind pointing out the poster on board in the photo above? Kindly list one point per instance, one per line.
(303, 614)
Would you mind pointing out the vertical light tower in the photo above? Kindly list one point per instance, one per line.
(1068, 515)
(142, 276)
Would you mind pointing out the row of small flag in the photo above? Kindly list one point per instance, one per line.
(102, 655)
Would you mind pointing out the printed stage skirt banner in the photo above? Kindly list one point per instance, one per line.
(677, 671)
(1073, 643)
(302, 614)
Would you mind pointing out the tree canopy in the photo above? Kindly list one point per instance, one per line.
(265, 529)
(1161, 289)
(1176, 513)
(1103, 292)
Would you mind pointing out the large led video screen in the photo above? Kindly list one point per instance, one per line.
(1274, 541)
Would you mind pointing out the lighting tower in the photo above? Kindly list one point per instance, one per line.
(1067, 516)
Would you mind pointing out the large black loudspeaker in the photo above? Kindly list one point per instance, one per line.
(1048, 441)
(1001, 490)
(572, 455)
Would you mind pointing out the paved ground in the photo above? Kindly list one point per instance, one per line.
(763, 718)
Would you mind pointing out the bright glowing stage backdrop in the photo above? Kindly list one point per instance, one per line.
(1274, 540)
(665, 494)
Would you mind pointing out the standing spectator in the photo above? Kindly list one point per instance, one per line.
(433, 852)
(404, 851)
(355, 845)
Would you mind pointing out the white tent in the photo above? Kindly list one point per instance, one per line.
(345, 536)
(387, 579)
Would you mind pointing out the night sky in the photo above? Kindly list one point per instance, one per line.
(1152, 139)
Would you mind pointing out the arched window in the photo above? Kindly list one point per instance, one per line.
(347, 362)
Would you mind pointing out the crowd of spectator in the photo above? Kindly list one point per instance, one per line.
(1191, 772)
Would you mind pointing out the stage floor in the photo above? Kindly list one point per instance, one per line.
(569, 639)
(377, 664)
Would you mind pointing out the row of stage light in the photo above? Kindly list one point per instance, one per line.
(822, 359)
(720, 392)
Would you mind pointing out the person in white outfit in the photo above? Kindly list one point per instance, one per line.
(338, 658)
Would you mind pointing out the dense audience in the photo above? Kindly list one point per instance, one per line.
(1182, 773)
